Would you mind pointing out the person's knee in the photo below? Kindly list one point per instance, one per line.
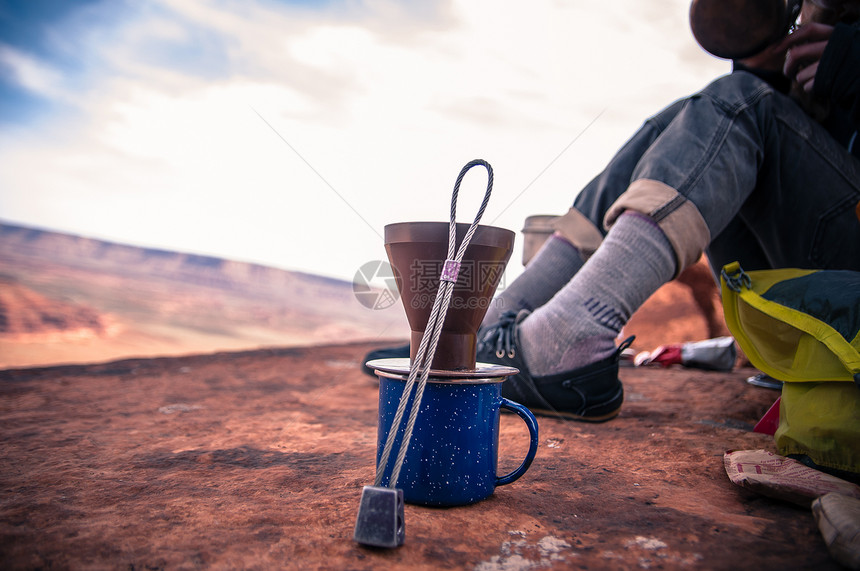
(738, 90)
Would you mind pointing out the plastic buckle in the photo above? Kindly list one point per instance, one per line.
(736, 281)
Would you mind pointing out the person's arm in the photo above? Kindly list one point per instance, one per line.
(825, 61)
(838, 76)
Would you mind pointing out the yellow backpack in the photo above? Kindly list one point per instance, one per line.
(803, 327)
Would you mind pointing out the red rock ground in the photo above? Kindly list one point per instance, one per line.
(256, 460)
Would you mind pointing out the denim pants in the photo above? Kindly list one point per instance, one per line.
(741, 172)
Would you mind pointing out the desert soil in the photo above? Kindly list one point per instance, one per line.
(256, 460)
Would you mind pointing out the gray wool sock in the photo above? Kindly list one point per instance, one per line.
(579, 325)
(550, 269)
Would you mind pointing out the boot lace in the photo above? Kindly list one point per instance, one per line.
(500, 337)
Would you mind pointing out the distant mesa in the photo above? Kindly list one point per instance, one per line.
(71, 299)
(24, 311)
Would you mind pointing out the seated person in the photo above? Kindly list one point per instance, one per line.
(760, 167)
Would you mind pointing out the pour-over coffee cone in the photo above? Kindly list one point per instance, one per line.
(417, 253)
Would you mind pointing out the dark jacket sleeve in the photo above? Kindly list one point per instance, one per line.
(838, 77)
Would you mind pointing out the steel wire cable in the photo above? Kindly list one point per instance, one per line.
(420, 368)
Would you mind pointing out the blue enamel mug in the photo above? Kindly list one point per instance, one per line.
(453, 453)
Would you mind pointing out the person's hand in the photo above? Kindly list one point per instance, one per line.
(804, 50)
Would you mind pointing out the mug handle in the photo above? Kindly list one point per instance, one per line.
(532, 424)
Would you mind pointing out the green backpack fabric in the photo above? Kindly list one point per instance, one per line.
(803, 327)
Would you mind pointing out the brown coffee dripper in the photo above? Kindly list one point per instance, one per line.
(417, 253)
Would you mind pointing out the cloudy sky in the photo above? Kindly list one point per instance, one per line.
(289, 133)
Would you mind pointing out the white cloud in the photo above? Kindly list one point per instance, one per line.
(30, 73)
(379, 106)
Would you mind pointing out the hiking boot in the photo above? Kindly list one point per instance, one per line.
(591, 393)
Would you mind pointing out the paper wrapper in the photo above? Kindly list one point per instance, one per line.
(783, 478)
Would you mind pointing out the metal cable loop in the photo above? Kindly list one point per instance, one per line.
(420, 368)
